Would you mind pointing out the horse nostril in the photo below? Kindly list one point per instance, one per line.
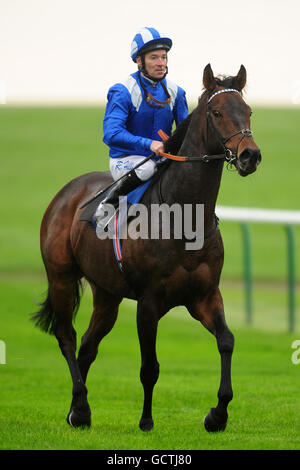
(258, 157)
(250, 157)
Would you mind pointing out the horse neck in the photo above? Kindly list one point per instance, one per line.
(195, 182)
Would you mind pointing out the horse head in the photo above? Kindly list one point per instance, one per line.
(228, 119)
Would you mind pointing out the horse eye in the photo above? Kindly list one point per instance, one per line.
(216, 113)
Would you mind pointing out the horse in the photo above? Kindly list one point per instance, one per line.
(157, 273)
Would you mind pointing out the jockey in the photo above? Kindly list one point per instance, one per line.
(136, 110)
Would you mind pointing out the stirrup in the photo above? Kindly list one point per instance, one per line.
(103, 215)
(104, 221)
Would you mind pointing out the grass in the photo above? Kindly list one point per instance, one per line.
(264, 413)
(42, 149)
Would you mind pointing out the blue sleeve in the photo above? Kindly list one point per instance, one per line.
(180, 110)
(115, 133)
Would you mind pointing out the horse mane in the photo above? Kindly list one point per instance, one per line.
(173, 144)
(227, 82)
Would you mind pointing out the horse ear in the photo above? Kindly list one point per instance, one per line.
(241, 78)
(209, 81)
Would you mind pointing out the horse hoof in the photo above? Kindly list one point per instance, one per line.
(146, 424)
(78, 420)
(215, 421)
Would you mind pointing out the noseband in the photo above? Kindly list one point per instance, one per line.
(230, 156)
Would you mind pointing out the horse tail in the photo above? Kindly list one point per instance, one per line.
(45, 317)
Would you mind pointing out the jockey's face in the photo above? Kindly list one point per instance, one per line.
(155, 63)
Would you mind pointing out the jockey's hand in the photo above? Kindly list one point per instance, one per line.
(157, 146)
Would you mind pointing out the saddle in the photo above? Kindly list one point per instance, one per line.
(133, 197)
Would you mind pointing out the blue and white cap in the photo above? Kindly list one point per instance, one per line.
(148, 39)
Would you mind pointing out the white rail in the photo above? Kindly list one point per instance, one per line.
(286, 218)
(266, 216)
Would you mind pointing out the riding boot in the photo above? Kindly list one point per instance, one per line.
(122, 187)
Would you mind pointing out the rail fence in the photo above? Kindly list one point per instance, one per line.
(286, 218)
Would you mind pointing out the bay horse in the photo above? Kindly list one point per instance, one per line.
(159, 274)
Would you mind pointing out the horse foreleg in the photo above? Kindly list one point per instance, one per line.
(211, 313)
(147, 321)
(216, 419)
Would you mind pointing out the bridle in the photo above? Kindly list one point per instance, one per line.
(228, 155)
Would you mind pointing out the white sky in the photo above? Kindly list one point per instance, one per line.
(74, 50)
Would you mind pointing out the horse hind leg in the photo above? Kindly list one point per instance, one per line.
(102, 321)
(56, 317)
(80, 413)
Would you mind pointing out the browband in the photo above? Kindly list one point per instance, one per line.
(221, 91)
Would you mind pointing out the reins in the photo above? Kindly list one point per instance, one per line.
(227, 155)
(202, 158)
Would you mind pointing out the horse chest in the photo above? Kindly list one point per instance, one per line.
(176, 286)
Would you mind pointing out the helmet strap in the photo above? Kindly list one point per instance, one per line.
(151, 100)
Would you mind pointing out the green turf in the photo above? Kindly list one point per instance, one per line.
(36, 386)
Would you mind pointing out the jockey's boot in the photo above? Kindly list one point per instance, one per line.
(123, 187)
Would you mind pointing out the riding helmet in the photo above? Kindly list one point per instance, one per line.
(148, 39)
